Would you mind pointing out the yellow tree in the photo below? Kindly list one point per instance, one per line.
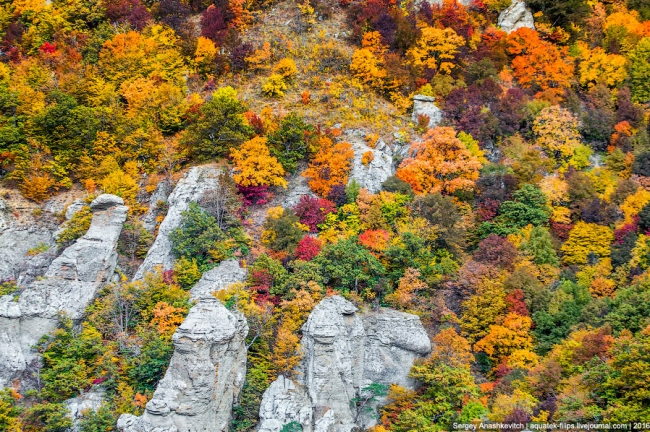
(435, 49)
(254, 165)
(440, 163)
(507, 338)
(586, 239)
(597, 65)
(556, 131)
(409, 286)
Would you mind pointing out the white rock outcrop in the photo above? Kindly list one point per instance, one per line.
(190, 188)
(375, 173)
(70, 283)
(226, 273)
(516, 16)
(204, 378)
(343, 352)
(425, 105)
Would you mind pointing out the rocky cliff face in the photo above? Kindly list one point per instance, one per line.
(190, 188)
(516, 16)
(425, 105)
(204, 377)
(70, 283)
(344, 351)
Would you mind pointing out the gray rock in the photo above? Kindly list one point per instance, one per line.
(70, 283)
(15, 243)
(82, 404)
(106, 201)
(191, 188)
(226, 273)
(516, 16)
(73, 209)
(161, 193)
(425, 105)
(343, 352)
(284, 402)
(204, 378)
(4, 216)
(373, 175)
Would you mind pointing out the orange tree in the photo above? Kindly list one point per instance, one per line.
(440, 163)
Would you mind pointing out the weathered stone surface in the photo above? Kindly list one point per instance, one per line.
(284, 402)
(191, 188)
(226, 273)
(81, 404)
(73, 208)
(344, 351)
(70, 283)
(15, 243)
(425, 105)
(381, 167)
(516, 16)
(161, 193)
(204, 377)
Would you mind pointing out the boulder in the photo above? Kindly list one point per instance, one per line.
(191, 188)
(516, 16)
(226, 273)
(69, 284)
(425, 105)
(343, 352)
(204, 377)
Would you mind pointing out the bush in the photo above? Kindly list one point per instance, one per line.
(312, 211)
(196, 236)
(76, 227)
(274, 86)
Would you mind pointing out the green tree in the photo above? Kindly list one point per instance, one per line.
(64, 126)
(48, 417)
(68, 360)
(220, 126)
(347, 266)
(640, 71)
(540, 246)
(196, 236)
(290, 142)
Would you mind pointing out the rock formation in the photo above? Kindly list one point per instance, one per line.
(343, 352)
(70, 283)
(205, 375)
(190, 188)
(516, 16)
(226, 273)
(381, 167)
(425, 105)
